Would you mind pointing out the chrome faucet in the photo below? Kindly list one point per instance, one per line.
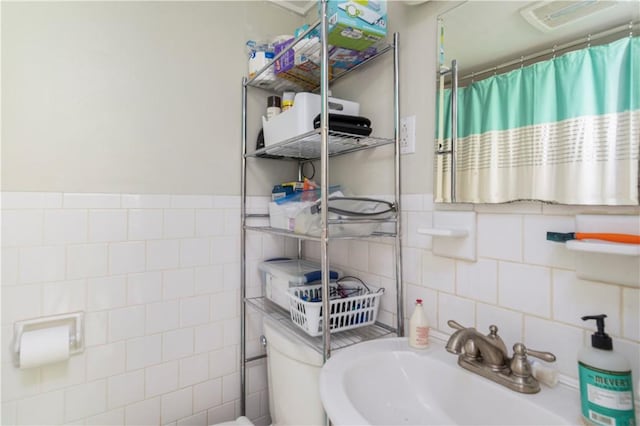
(491, 348)
(488, 357)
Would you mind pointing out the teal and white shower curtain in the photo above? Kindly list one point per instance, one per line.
(566, 130)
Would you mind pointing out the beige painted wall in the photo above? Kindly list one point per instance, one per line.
(140, 97)
(373, 88)
(146, 98)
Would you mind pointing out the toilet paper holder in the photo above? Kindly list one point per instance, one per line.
(75, 321)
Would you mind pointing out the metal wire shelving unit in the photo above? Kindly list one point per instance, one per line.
(308, 147)
(320, 145)
(338, 340)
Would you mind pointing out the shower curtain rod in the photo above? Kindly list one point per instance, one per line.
(555, 49)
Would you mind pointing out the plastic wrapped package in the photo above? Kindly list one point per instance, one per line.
(351, 212)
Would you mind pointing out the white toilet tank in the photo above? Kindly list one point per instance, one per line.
(293, 369)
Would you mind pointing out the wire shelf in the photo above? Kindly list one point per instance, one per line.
(339, 340)
(305, 76)
(308, 145)
(285, 233)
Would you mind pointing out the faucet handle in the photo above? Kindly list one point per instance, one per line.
(520, 365)
(455, 325)
(521, 349)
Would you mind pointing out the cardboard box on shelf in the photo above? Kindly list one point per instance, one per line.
(357, 24)
(301, 64)
(344, 59)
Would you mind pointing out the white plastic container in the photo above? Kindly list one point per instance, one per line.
(279, 275)
(298, 119)
(606, 385)
(418, 327)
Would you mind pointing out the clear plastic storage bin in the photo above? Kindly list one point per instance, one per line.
(280, 274)
(348, 211)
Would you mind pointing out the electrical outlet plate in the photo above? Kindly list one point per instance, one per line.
(408, 135)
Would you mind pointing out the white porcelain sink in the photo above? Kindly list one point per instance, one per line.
(385, 382)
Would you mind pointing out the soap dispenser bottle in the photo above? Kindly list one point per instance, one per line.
(606, 386)
(418, 327)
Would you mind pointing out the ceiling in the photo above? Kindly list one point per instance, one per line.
(300, 7)
(482, 34)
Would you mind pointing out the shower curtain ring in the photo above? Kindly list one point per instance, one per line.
(588, 40)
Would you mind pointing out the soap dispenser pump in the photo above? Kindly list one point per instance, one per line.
(606, 386)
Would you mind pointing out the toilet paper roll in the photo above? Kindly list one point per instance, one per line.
(44, 346)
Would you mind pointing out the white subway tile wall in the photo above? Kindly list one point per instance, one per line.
(528, 287)
(521, 282)
(158, 277)
(631, 313)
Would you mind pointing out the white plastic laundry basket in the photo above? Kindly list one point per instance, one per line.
(357, 309)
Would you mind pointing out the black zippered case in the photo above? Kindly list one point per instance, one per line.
(352, 124)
